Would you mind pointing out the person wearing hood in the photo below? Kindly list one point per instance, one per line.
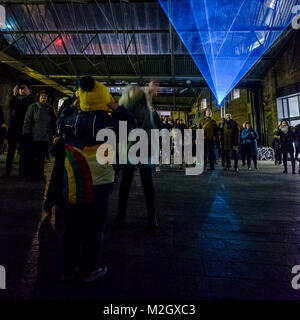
(87, 183)
(38, 130)
(136, 101)
(287, 138)
(250, 137)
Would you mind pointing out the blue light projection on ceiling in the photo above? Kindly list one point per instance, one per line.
(227, 37)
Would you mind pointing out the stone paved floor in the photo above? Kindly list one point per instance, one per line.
(222, 235)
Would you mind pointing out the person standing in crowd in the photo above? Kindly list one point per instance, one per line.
(230, 141)
(287, 137)
(242, 146)
(135, 100)
(54, 195)
(38, 129)
(166, 124)
(2, 131)
(87, 183)
(18, 106)
(277, 148)
(220, 146)
(250, 137)
(297, 143)
(182, 126)
(210, 137)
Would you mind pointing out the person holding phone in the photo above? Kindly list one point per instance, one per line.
(18, 106)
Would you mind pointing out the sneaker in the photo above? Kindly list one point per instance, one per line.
(284, 171)
(99, 273)
(236, 169)
(249, 168)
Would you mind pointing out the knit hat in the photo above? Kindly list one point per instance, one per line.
(93, 95)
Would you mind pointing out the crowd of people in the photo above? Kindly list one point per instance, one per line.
(80, 185)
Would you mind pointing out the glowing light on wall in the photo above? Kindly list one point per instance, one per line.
(226, 38)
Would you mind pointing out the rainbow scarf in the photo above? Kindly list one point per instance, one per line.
(82, 172)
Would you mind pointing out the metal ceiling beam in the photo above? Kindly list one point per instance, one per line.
(32, 2)
(109, 31)
(169, 78)
(12, 62)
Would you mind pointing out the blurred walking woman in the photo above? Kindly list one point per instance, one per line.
(136, 101)
(287, 137)
(250, 137)
(39, 128)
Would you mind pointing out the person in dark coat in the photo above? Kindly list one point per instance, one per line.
(39, 128)
(287, 137)
(18, 106)
(210, 138)
(250, 137)
(277, 149)
(220, 146)
(230, 141)
(54, 195)
(297, 143)
(242, 147)
(2, 131)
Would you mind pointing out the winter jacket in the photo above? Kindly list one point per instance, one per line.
(1, 117)
(210, 128)
(82, 170)
(286, 140)
(40, 122)
(17, 109)
(250, 138)
(230, 135)
(297, 132)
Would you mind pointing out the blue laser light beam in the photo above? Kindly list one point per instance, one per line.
(227, 37)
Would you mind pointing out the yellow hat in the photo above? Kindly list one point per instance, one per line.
(96, 99)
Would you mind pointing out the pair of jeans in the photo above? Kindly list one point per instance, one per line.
(284, 159)
(126, 181)
(36, 155)
(84, 224)
(278, 157)
(12, 146)
(243, 153)
(209, 153)
(297, 147)
(228, 154)
(254, 159)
